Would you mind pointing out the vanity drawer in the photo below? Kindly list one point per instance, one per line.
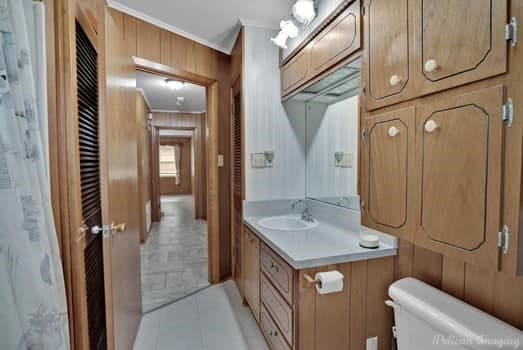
(280, 311)
(278, 272)
(271, 332)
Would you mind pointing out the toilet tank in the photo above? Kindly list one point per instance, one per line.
(429, 319)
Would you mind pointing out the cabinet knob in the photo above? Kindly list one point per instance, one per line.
(393, 131)
(431, 65)
(395, 80)
(430, 126)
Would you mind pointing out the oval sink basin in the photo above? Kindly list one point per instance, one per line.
(286, 223)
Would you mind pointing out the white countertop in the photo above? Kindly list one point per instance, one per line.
(322, 245)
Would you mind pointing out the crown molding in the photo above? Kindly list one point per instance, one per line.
(146, 18)
(242, 22)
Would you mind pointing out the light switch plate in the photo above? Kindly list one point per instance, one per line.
(258, 160)
(346, 161)
(220, 160)
(372, 343)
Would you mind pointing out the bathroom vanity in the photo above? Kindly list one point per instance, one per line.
(279, 286)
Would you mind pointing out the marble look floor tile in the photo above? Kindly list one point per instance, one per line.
(175, 257)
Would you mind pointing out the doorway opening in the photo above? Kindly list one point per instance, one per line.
(174, 250)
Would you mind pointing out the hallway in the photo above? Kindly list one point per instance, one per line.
(174, 258)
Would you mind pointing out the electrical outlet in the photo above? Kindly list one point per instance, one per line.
(372, 343)
(345, 160)
(220, 160)
(258, 160)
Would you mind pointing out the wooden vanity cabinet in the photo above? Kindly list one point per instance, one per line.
(459, 166)
(338, 40)
(417, 47)
(293, 315)
(388, 173)
(251, 271)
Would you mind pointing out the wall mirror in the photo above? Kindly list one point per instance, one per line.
(331, 141)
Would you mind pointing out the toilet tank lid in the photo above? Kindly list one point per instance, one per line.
(452, 316)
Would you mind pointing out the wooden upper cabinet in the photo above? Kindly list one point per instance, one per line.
(387, 172)
(337, 40)
(386, 64)
(295, 72)
(459, 41)
(459, 164)
(334, 43)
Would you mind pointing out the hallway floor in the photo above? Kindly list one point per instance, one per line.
(211, 319)
(174, 258)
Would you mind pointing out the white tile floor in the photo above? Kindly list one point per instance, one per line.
(212, 319)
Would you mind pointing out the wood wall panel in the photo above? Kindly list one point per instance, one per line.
(148, 41)
(168, 185)
(165, 48)
(493, 292)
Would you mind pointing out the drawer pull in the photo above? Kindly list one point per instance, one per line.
(273, 333)
(274, 267)
(393, 131)
(395, 80)
(431, 126)
(431, 65)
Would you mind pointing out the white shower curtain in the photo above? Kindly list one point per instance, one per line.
(33, 308)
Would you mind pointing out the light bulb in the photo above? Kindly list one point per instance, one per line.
(304, 11)
(174, 84)
(280, 40)
(289, 29)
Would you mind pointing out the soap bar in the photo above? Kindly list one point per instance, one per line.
(369, 241)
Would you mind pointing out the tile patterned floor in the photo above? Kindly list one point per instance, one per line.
(211, 319)
(174, 258)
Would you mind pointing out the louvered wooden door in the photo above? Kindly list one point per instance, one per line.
(237, 186)
(89, 157)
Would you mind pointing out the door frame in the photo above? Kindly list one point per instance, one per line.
(212, 169)
(198, 173)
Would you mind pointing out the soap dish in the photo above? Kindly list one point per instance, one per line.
(369, 241)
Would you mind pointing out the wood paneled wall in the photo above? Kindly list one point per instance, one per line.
(144, 161)
(168, 185)
(153, 43)
(198, 123)
(493, 292)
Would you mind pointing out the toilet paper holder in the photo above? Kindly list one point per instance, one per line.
(311, 280)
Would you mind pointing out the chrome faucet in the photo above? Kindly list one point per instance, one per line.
(305, 214)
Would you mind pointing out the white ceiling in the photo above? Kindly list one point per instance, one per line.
(162, 98)
(209, 22)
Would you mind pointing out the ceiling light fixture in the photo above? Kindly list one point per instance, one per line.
(304, 11)
(288, 30)
(180, 98)
(174, 84)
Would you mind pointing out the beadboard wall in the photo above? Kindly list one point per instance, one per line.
(269, 126)
(332, 129)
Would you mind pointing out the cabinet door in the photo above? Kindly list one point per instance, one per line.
(295, 72)
(459, 41)
(251, 265)
(460, 158)
(386, 65)
(337, 41)
(387, 173)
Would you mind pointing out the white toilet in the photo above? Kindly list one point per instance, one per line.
(427, 318)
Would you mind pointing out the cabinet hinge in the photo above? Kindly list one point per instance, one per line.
(511, 31)
(363, 10)
(363, 135)
(507, 114)
(503, 239)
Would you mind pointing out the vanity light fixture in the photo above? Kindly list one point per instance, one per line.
(174, 84)
(288, 30)
(304, 11)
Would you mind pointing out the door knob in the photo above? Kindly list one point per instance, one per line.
(431, 65)
(395, 80)
(430, 126)
(118, 228)
(393, 131)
